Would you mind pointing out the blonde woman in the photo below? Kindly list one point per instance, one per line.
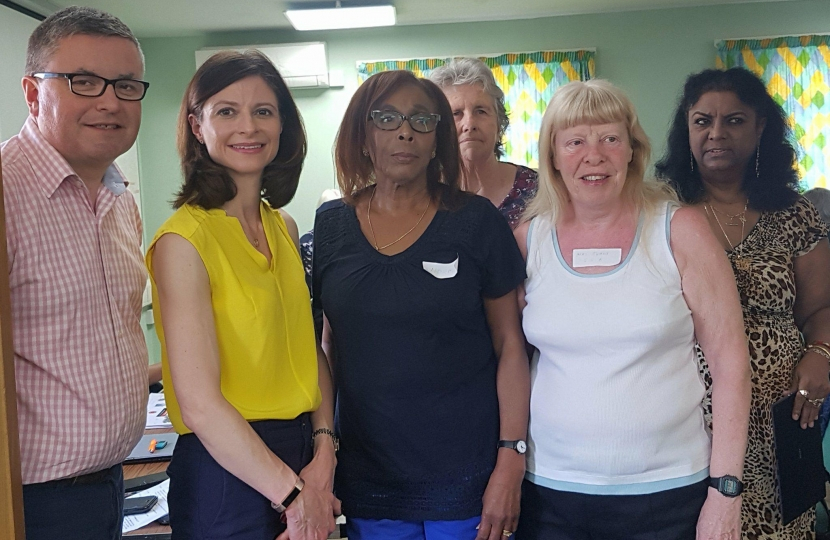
(620, 284)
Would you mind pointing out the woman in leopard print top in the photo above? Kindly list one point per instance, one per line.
(740, 174)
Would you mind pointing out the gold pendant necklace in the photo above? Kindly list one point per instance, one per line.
(372, 230)
(734, 219)
(742, 264)
(250, 237)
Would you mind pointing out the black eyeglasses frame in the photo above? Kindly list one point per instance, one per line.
(403, 117)
(107, 82)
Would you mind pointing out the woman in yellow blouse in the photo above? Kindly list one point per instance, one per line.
(247, 387)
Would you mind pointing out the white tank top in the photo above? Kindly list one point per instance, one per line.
(616, 396)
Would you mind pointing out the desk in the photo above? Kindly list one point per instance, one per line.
(143, 469)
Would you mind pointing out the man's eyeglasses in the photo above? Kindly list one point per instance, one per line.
(392, 120)
(87, 85)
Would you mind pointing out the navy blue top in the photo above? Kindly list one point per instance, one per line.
(417, 410)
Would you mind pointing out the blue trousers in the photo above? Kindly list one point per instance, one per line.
(88, 507)
(388, 529)
(549, 514)
(207, 502)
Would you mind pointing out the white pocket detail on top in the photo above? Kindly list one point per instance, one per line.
(442, 270)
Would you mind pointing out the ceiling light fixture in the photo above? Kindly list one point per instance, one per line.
(320, 17)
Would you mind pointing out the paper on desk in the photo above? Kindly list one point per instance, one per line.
(137, 521)
(157, 412)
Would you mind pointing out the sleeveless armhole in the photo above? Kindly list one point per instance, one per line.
(671, 208)
(529, 235)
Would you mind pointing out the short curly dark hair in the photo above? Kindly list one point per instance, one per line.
(776, 186)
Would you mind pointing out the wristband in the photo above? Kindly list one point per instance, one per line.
(283, 506)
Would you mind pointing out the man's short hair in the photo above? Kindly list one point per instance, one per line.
(71, 21)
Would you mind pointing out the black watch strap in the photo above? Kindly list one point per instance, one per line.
(727, 485)
(519, 445)
(298, 487)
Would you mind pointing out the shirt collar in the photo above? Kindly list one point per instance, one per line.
(51, 168)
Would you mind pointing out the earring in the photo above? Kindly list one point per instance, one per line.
(365, 152)
(200, 140)
(433, 155)
(758, 161)
(691, 160)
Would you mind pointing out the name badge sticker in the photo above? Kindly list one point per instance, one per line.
(442, 270)
(597, 257)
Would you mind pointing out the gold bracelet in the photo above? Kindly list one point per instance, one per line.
(820, 350)
(819, 346)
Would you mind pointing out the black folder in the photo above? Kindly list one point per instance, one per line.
(799, 461)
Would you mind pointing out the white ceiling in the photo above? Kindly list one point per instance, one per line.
(152, 18)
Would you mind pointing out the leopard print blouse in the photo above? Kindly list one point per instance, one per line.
(767, 290)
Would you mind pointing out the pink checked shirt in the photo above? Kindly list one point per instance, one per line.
(76, 278)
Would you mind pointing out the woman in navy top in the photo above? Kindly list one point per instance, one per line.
(417, 281)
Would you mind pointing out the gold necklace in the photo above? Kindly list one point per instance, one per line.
(741, 263)
(740, 216)
(250, 237)
(372, 230)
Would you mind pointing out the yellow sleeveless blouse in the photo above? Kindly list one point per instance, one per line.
(262, 313)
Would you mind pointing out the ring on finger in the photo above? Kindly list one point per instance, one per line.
(506, 533)
(816, 402)
(804, 393)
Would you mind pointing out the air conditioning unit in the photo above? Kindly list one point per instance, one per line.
(302, 65)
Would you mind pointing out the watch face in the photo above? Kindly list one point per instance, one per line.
(521, 447)
(729, 486)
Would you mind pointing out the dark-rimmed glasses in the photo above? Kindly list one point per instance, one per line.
(392, 120)
(84, 84)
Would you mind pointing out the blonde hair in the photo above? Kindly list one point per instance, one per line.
(593, 102)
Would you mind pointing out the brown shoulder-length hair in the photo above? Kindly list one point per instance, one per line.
(208, 184)
(355, 171)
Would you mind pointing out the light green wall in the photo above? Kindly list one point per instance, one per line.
(647, 53)
(14, 35)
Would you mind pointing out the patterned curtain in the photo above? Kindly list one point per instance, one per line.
(796, 70)
(528, 81)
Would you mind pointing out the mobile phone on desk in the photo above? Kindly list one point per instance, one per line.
(139, 505)
(143, 482)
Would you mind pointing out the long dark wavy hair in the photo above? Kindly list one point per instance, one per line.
(208, 184)
(776, 186)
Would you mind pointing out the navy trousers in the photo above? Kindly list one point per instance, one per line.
(88, 507)
(207, 502)
(549, 514)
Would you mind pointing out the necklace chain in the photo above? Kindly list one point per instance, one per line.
(251, 237)
(404, 235)
(741, 217)
(734, 219)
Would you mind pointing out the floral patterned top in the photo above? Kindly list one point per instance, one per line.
(524, 188)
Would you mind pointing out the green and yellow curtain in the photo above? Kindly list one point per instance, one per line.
(528, 81)
(796, 70)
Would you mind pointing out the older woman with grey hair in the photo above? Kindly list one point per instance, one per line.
(481, 120)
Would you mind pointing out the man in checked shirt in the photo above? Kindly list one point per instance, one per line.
(76, 274)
